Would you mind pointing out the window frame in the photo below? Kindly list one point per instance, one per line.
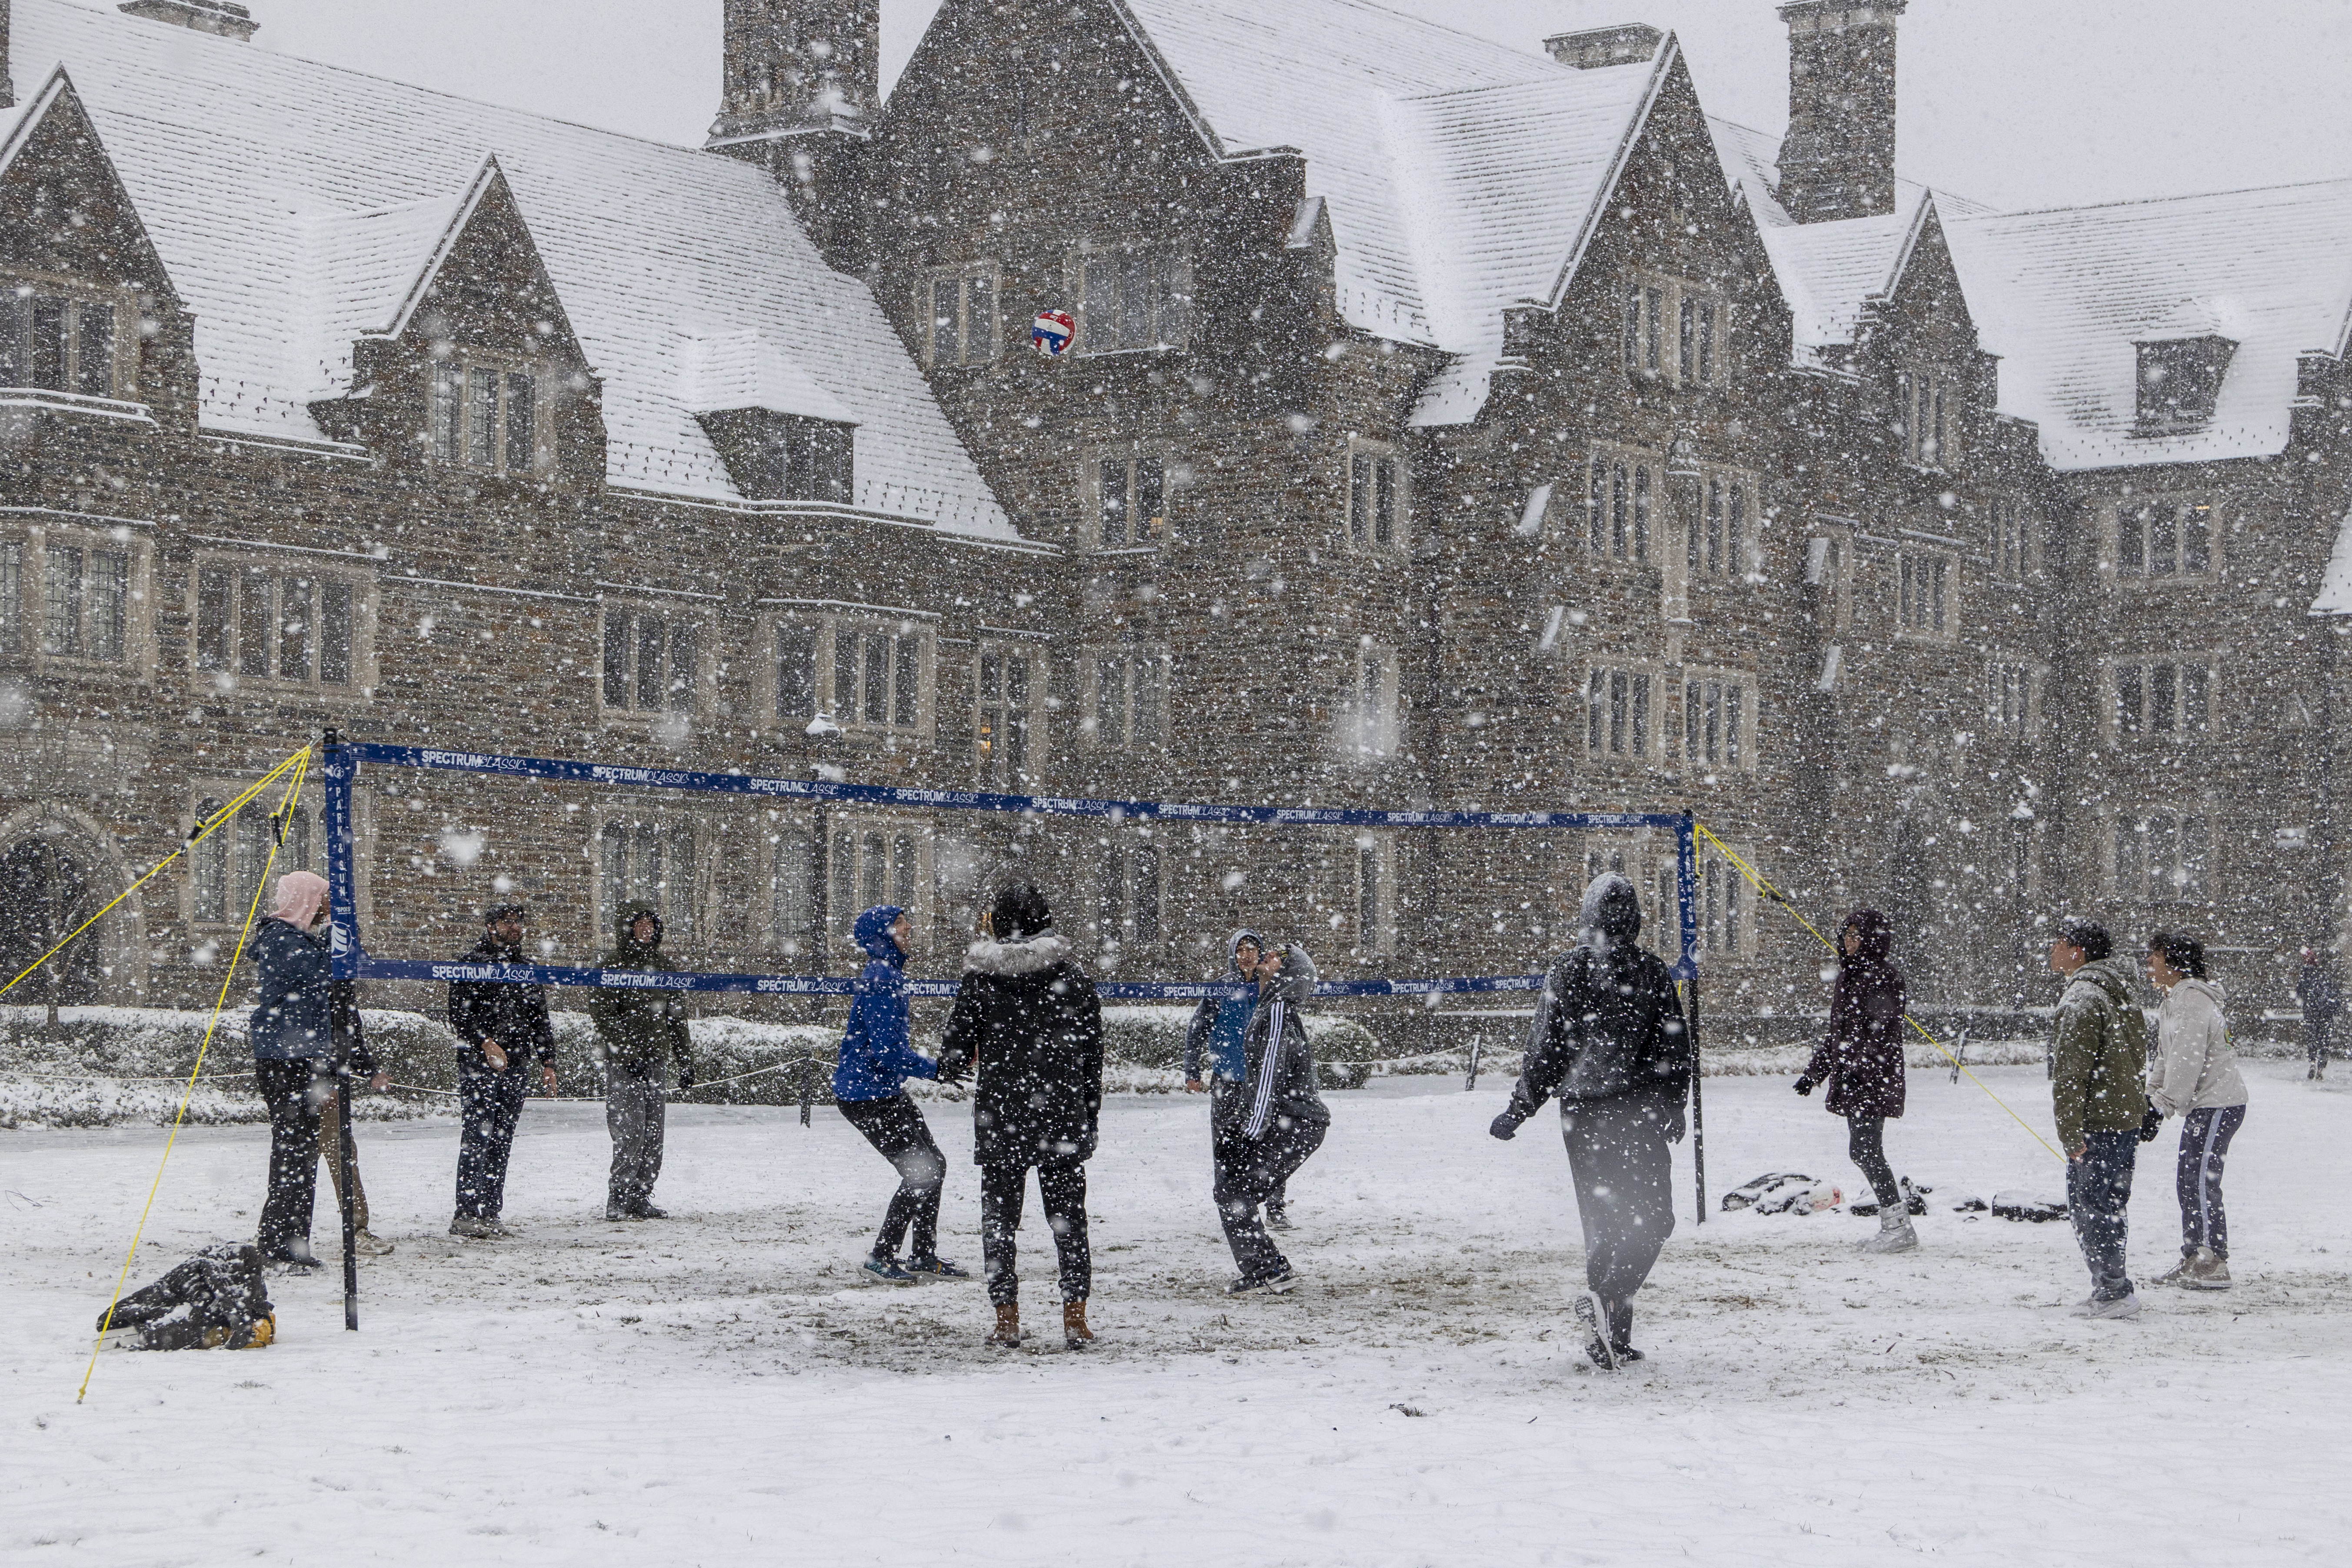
(468, 363)
(1663, 323)
(1735, 732)
(1173, 287)
(1120, 898)
(667, 820)
(25, 605)
(2014, 699)
(1373, 874)
(1654, 865)
(1931, 442)
(237, 664)
(1377, 494)
(1720, 540)
(2183, 824)
(1830, 565)
(1927, 576)
(1373, 736)
(984, 271)
(1136, 661)
(75, 295)
(699, 617)
(1131, 460)
(1007, 775)
(829, 626)
(1624, 504)
(2127, 522)
(852, 839)
(2011, 536)
(2137, 674)
(1621, 703)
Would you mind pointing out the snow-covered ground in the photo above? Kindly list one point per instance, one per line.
(716, 1389)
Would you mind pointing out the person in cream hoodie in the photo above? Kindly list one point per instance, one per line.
(2194, 1074)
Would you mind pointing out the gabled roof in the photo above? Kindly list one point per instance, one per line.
(2062, 296)
(1459, 174)
(283, 194)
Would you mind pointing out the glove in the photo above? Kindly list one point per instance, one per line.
(1804, 1086)
(1506, 1126)
(1679, 1127)
(685, 1077)
(2150, 1122)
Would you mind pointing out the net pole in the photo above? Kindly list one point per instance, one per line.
(1687, 895)
(346, 1194)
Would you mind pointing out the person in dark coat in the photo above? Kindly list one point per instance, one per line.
(502, 1026)
(637, 1028)
(2322, 1001)
(1860, 1059)
(869, 1086)
(292, 1033)
(1609, 1040)
(1029, 1019)
(1270, 1122)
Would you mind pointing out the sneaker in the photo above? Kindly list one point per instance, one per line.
(1281, 1284)
(1627, 1354)
(2124, 1305)
(295, 1258)
(2176, 1275)
(1277, 1218)
(1593, 1319)
(931, 1268)
(472, 1229)
(886, 1271)
(368, 1245)
(2207, 1271)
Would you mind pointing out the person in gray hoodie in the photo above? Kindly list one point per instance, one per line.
(2194, 1076)
(1609, 1042)
(1269, 1123)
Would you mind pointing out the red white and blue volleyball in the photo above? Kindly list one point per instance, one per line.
(1051, 332)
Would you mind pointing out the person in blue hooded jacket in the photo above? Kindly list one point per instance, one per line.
(869, 1086)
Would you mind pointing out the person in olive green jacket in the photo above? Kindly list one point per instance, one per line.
(635, 1028)
(2099, 1098)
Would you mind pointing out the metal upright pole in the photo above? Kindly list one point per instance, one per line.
(346, 1194)
(1699, 1110)
(1686, 896)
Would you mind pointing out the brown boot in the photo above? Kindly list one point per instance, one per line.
(1074, 1332)
(1008, 1327)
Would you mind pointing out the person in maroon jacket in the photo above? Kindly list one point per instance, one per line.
(1860, 1060)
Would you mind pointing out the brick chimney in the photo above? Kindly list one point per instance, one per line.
(1838, 161)
(1627, 43)
(802, 85)
(215, 17)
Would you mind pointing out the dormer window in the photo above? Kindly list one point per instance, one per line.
(784, 456)
(2179, 381)
(1928, 418)
(56, 341)
(485, 416)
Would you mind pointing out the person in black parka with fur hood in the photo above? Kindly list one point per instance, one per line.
(1860, 1059)
(1029, 1019)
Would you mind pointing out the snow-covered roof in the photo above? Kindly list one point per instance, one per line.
(290, 201)
(2064, 295)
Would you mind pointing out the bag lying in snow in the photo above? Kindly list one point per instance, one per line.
(1782, 1192)
(1965, 1203)
(2028, 1206)
(216, 1298)
(1915, 1199)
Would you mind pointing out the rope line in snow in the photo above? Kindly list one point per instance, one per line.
(300, 763)
(1769, 890)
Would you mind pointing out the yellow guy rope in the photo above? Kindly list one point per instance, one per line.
(300, 762)
(219, 820)
(1773, 893)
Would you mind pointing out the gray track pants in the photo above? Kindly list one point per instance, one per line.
(635, 1109)
(1624, 1168)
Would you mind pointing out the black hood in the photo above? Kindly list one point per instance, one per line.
(1612, 915)
(1019, 913)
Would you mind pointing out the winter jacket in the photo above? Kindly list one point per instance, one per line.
(2194, 1070)
(1031, 1019)
(876, 1059)
(634, 1026)
(1277, 1083)
(1608, 1021)
(1219, 1022)
(514, 1014)
(293, 1021)
(2099, 1056)
(1860, 1059)
(2322, 1003)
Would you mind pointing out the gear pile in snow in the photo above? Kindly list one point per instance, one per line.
(216, 1299)
(2029, 1207)
(1782, 1192)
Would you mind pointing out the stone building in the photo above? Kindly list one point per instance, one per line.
(1446, 425)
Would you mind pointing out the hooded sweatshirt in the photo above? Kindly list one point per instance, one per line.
(876, 1054)
(1277, 1086)
(2194, 1070)
(293, 1020)
(1608, 1021)
(2099, 1059)
(1861, 1058)
(1219, 1022)
(634, 1027)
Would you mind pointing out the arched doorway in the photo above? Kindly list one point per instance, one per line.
(49, 884)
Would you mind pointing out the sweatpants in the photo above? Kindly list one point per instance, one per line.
(1865, 1145)
(1624, 1168)
(2098, 1198)
(1254, 1171)
(636, 1107)
(293, 1155)
(898, 1133)
(1276, 1201)
(1062, 1192)
(331, 1139)
(2205, 1135)
(490, 1101)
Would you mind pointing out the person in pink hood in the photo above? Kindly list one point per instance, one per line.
(292, 1034)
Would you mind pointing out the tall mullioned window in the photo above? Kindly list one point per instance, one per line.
(1624, 487)
(652, 660)
(650, 861)
(2166, 856)
(1928, 415)
(483, 417)
(271, 623)
(1375, 499)
(1130, 498)
(961, 303)
(56, 341)
(1134, 297)
(1674, 330)
(1010, 680)
(2168, 539)
(1617, 713)
(2168, 697)
(1130, 699)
